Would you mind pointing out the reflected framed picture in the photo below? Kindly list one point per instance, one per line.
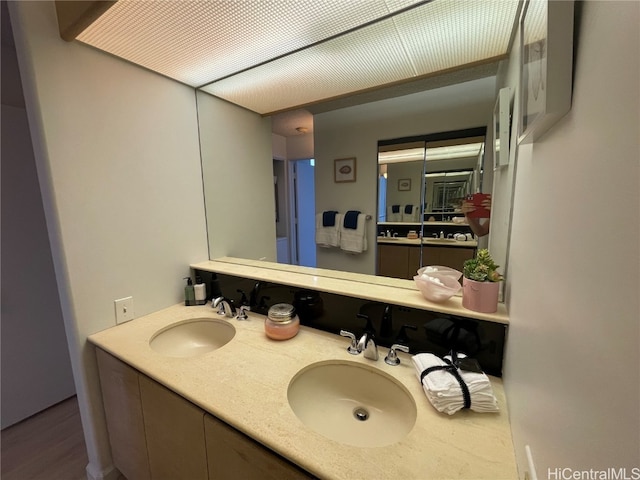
(546, 63)
(344, 170)
(404, 185)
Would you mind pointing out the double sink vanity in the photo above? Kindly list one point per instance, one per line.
(192, 394)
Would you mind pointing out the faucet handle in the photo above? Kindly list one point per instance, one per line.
(353, 348)
(392, 356)
(242, 314)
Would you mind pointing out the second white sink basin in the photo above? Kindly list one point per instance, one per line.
(192, 337)
(352, 403)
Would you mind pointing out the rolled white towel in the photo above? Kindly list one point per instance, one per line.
(444, 392)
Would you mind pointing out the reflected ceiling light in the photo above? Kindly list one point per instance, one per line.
(448, 174)
(433, 153)
(274, 55)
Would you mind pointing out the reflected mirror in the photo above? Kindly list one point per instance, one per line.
(421, 185)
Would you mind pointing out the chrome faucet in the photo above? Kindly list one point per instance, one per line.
(367, 342)
(225, 307)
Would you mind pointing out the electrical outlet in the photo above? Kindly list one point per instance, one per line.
(124, 309)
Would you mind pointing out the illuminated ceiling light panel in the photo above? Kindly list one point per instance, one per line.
(407, 155)
(448, 33)
(199, 41)
(356, 61)
(421, 41)
(433, 153)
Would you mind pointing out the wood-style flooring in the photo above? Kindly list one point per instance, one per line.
(48, 445)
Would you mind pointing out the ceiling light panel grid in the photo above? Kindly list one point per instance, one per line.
(448, 33)
(420, 41)
(362, 59)
(223, 36)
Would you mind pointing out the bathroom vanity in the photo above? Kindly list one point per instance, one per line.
(229, 411)
(399, 257)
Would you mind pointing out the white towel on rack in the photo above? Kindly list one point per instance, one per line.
(354, 240)
(409, 217)
(394, 217)
(444, 392)
(328, 236)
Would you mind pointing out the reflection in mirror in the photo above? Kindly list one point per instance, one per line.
(421, 185)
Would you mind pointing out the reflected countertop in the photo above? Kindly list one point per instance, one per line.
(441, 242)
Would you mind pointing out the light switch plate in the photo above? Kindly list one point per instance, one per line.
(124, 309)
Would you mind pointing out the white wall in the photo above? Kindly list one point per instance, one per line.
(300, 147)
(237, 170)
(36, 370)
(355, 131)
(572, 361)
(118, 161)
(403, 170)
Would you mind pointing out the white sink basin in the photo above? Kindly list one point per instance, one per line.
(352, 403)
(192, 337)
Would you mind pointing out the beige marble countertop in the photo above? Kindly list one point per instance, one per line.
(245, 384)
(439, 242)
(368, 287)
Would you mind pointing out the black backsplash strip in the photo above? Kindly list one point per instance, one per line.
(436, 333)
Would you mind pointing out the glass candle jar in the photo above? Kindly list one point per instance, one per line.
(281, 323)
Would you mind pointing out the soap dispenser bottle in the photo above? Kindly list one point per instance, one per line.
(189, 293)
(200, 290)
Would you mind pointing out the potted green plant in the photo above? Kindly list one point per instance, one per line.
(480, 284)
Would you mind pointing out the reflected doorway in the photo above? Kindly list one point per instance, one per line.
(303, 206)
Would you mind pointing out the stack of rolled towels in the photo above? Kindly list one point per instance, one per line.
(443, 389)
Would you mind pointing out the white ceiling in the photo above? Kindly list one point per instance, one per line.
(276, 55)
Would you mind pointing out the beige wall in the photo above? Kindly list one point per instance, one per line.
(237, 169)
(572, 362)
(118, 160)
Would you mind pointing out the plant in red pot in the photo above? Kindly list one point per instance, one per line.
(480, 284)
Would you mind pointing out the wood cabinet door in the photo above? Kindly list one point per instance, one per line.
(393, 260)
(123, 412)
(175, 434)
(231, 454)
(455, 257)
(414, 262)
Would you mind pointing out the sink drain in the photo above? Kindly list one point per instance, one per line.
(361, 414)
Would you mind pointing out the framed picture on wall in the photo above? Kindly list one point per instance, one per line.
(344, 170)
(546, 63)
(404, 185)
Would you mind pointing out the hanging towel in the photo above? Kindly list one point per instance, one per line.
(410, 214)
(442, 385)
(393, 214)
(354, 240)
(328, 236)
(351, 219)
(329, 218)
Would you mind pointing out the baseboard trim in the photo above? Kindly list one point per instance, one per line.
(95, 473)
